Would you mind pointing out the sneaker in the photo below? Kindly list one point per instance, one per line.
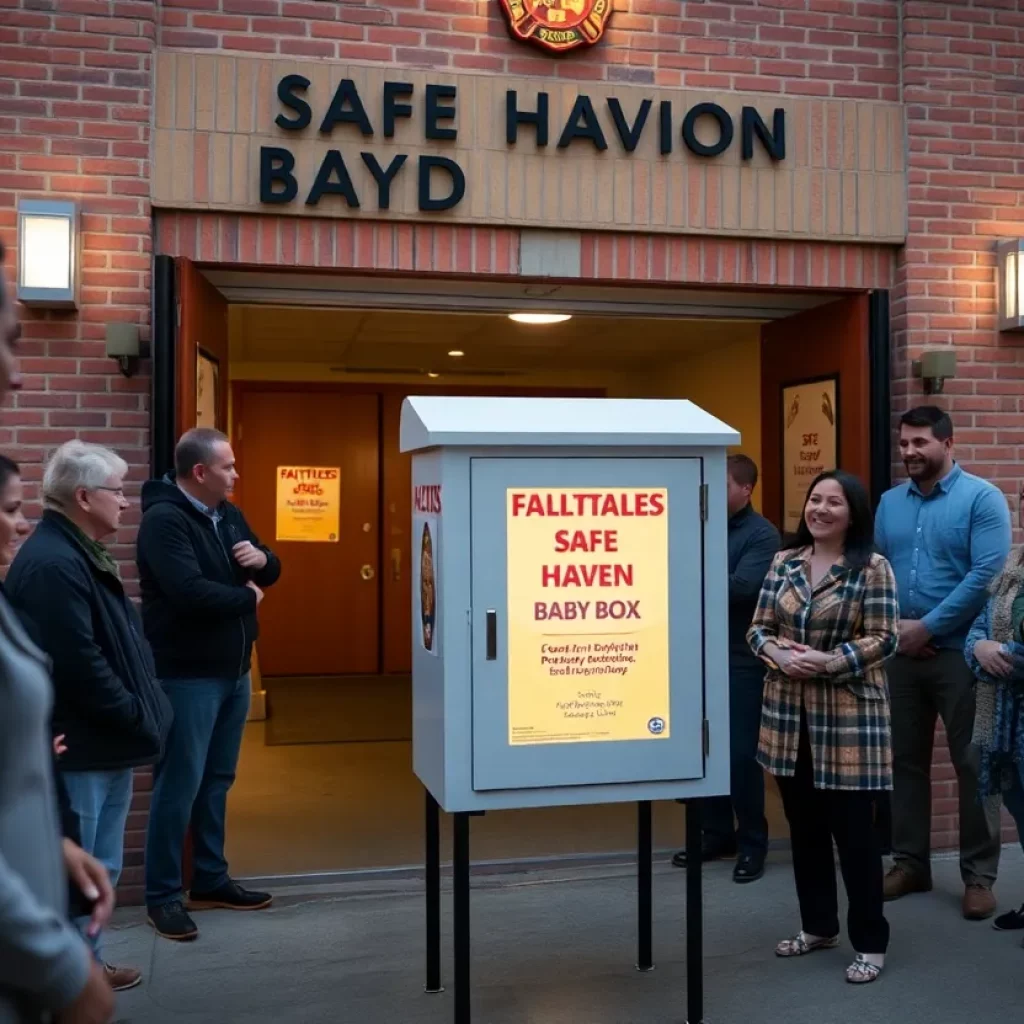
(230, 896)
(979, 902)
(122, 978)
(172, 922)
(899, 882)
(1012, 921)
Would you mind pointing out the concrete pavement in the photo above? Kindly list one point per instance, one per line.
(558, 947)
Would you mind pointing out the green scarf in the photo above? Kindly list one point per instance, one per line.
(99, 555)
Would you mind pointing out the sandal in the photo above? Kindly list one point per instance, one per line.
(799, 946)
(861, 972)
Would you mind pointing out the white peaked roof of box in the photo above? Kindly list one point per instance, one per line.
(435, 421)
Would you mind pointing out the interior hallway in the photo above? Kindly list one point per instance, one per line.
(346, 806)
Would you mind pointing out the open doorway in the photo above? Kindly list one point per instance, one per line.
(311, 371)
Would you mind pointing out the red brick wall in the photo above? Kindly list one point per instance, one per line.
(74, 124)
(75, 108)
(844, 48)
(965, 107)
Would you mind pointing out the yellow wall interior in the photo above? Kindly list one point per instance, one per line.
(715, 364)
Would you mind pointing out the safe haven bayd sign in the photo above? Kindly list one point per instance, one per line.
(322, 139)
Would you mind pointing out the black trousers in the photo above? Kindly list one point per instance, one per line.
(750, 833)
(816, 817)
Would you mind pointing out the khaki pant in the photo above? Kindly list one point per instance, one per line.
(921, 690)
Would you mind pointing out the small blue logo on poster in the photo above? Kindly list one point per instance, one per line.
(656, 726)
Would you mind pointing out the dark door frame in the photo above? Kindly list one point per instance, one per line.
(880, 382)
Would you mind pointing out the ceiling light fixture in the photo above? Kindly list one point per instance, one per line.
(456, 353)
(540, 318)
(433, 375)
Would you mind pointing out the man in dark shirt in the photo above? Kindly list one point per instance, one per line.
(753, 542)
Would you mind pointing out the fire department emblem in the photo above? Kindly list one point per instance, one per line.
(558, 25)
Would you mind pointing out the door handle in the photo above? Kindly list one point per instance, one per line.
(396, 564)
(367, 572)
(492, 635)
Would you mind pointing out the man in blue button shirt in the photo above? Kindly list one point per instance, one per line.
(946, 534)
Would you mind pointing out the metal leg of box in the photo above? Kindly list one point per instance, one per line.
(433, 880)
(694, 916)
(461, 921)
(644, 871)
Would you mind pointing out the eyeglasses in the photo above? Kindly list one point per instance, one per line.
(116, 491)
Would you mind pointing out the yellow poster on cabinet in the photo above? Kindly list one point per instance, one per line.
(588, 616)
(308, 503)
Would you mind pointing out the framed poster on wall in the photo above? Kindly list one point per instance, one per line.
(810, 440)
(207, 391)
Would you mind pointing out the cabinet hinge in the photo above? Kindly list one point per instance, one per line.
(703, 503)
(707, 738)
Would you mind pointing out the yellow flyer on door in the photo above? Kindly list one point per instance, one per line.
(308, 503)
(588, 622)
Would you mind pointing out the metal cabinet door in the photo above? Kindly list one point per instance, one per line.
(587, 645)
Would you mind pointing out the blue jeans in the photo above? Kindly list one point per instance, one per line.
(1013, 798)
(750, 833)
(191, 784)
(101, 802)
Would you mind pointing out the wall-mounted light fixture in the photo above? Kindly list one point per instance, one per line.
(1011, 284)
(48, 253)
(123, 345)
(935, 367)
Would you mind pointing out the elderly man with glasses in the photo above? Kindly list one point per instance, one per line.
(67, 587)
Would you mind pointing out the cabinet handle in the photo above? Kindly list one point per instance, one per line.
(492, 635)
(396, 564)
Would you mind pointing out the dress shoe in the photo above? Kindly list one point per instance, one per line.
(1011, 921)
(709, 851)
(749, 868)
(899, 882)
(979, 902)
(122, 978)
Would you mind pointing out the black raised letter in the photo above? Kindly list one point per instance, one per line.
(394, 91)
(286, 90)
(383, 176)
(276, 166)
(774, 141)
(323, 186)
(458, 189)
(514, 117)
(436, 112)
(582, 110)
(630, 136)
(725, 129)
(666, 127)
(337, 114)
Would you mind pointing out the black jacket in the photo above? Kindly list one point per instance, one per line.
(753, 543)
(107, 702)
(200, 616)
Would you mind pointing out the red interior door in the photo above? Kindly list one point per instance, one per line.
(323, 616)
(828, 342)
(202, 349)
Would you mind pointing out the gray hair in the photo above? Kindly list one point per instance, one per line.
(75, 465)
(196, 449)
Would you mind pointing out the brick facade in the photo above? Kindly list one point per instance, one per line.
(75, 114)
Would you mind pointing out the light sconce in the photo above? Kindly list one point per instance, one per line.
(935, 367)
(124, 346)
(48, 253)
(1010, 285)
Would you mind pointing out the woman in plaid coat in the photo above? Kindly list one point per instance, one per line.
(827, 620)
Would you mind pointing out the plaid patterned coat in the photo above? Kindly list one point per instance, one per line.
(854, 616)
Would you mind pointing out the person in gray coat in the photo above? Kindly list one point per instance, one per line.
(46, 971)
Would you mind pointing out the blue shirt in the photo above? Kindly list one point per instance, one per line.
(211, 513)
(945, 548)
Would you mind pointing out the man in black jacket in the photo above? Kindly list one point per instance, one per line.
(107, 704)
(753, 542)
(202, 572)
